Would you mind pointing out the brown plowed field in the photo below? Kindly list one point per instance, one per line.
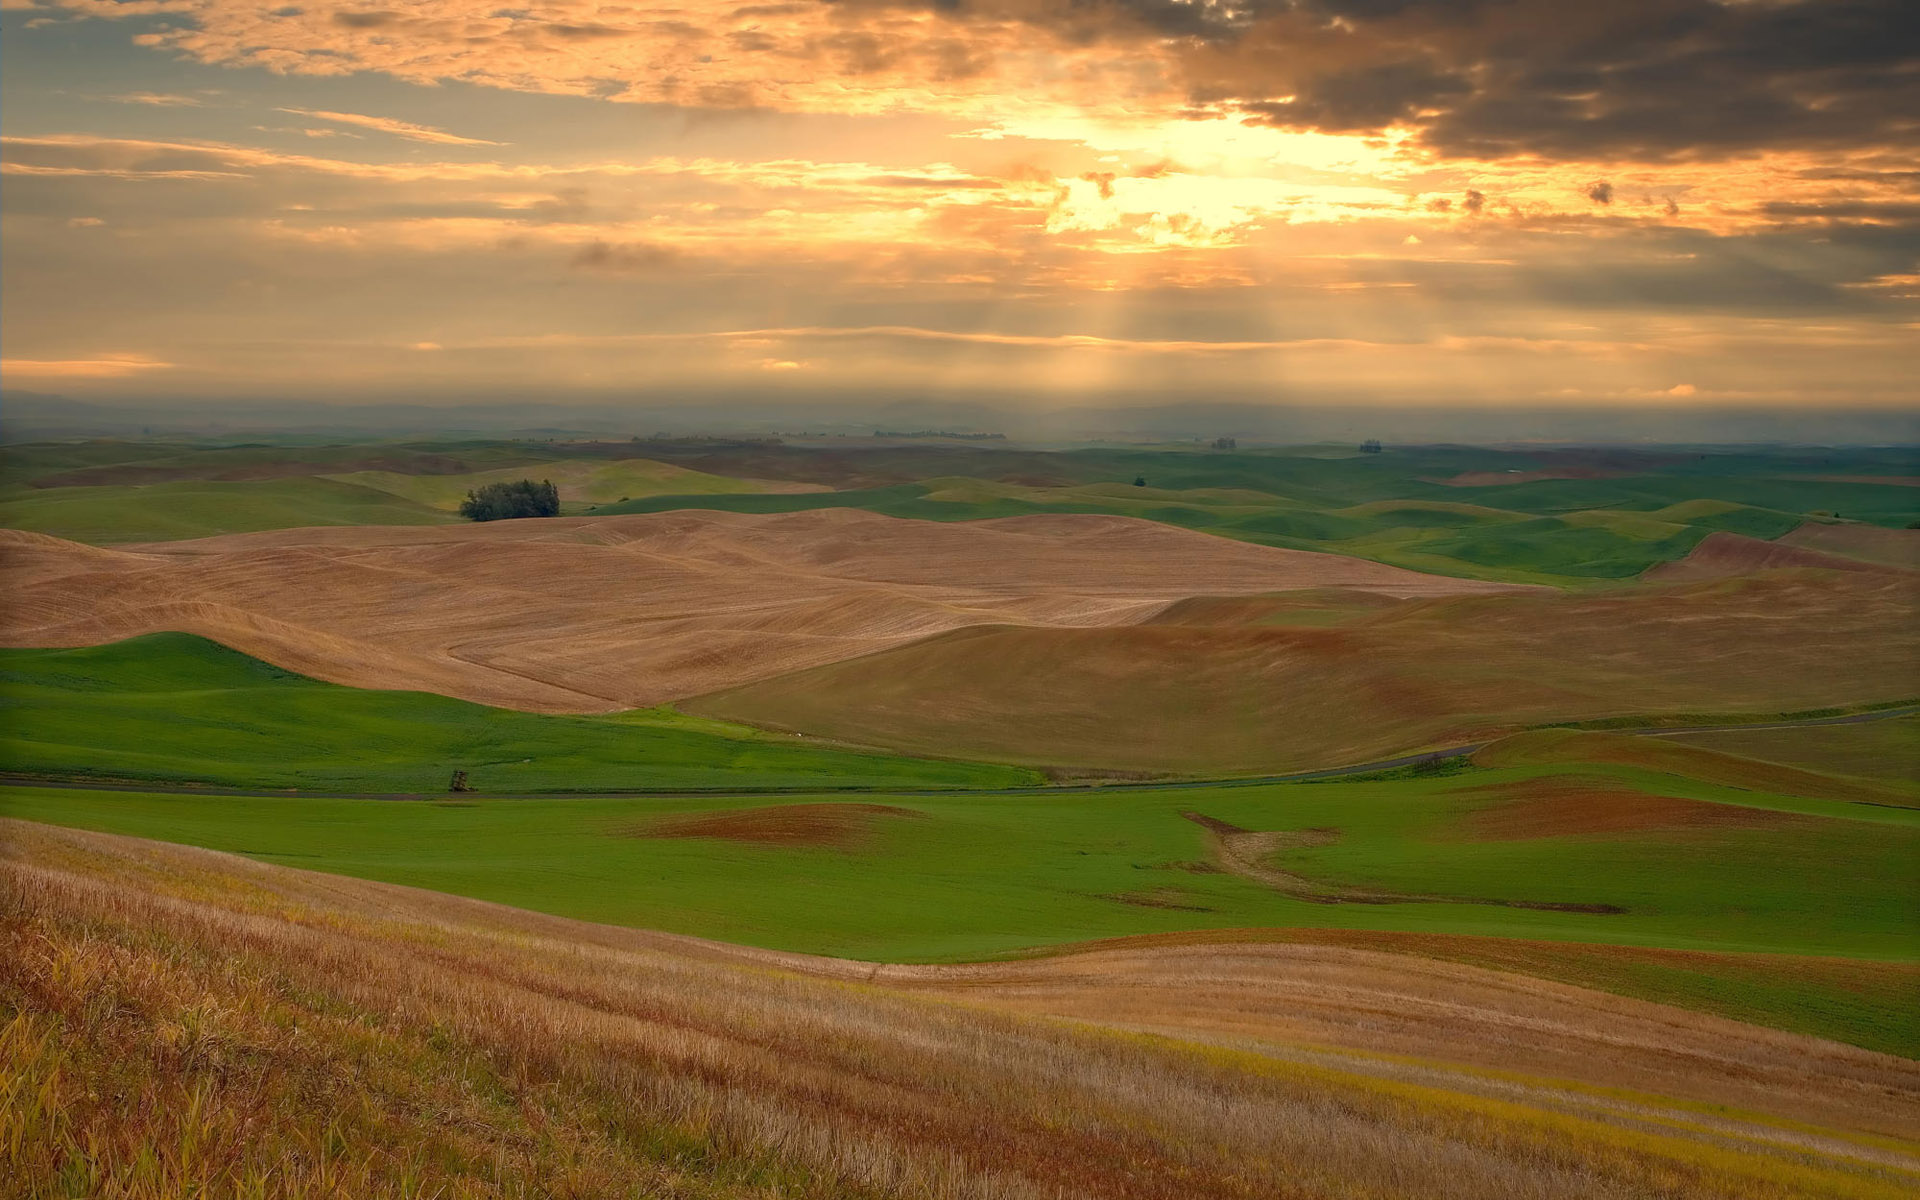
(1569, 806)
(1870, 543)
(1234, 697)
(1723, 555)
(595, 614)
(841, 826)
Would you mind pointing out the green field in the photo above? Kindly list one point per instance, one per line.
(171, 511)
(1391, 507)
(966, 877)
(1636, 511)
(177, 708)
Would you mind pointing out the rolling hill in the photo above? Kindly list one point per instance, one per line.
(182, 1021)
(1230, 696)
(598, 614)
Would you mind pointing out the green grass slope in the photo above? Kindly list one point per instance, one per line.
(1543, 747)
(1882, 750)
(983, 875)
(201, 508)
(177, 708)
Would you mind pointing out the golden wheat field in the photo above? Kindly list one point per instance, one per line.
(191, 1023)
(598, 614)
(1241, 687)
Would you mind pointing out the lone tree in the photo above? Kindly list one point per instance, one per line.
(502, 501)
(1370, 446)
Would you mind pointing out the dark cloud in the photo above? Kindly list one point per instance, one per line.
(1475, 201)
(586, 33)
(1887, 213)
(625, 256)
(1364, 99)
(1649, 78)
(365, 20)
(1600, 191)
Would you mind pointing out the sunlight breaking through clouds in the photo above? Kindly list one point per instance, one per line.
(1306, 172)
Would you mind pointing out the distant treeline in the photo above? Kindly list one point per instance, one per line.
(708, 439)
(940, 433)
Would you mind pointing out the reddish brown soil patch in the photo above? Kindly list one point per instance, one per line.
(1565, 806)
(1873, 543)
(1721, 555)
(839, 826)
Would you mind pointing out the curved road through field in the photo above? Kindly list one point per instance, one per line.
(11, 779)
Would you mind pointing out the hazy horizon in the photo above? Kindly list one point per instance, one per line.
(28, 417)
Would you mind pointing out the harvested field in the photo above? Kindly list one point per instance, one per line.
(255, 1026)
(596, 614)
(837, 826)
(1722, 555)
(1233, 697)
(1869, 543)
(1571, 806)
(1721, 983)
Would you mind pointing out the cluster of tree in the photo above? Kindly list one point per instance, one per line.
(718, 441)
(939, 433)
(1370, 446)
(504, 501)
(1225, 443)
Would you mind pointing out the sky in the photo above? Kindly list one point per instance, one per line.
(1644, 205)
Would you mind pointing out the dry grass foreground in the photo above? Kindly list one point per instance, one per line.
(1212, 690)
(181, 1022)
(597, 614)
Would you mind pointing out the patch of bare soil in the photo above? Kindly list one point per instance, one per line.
(836, 826)
(1722, 555)
(1572, 806)
(1870, 543)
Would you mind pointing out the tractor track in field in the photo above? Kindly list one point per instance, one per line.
(15, 779)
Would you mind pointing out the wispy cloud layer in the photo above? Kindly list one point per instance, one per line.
(402, 129)
(1664, 201)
